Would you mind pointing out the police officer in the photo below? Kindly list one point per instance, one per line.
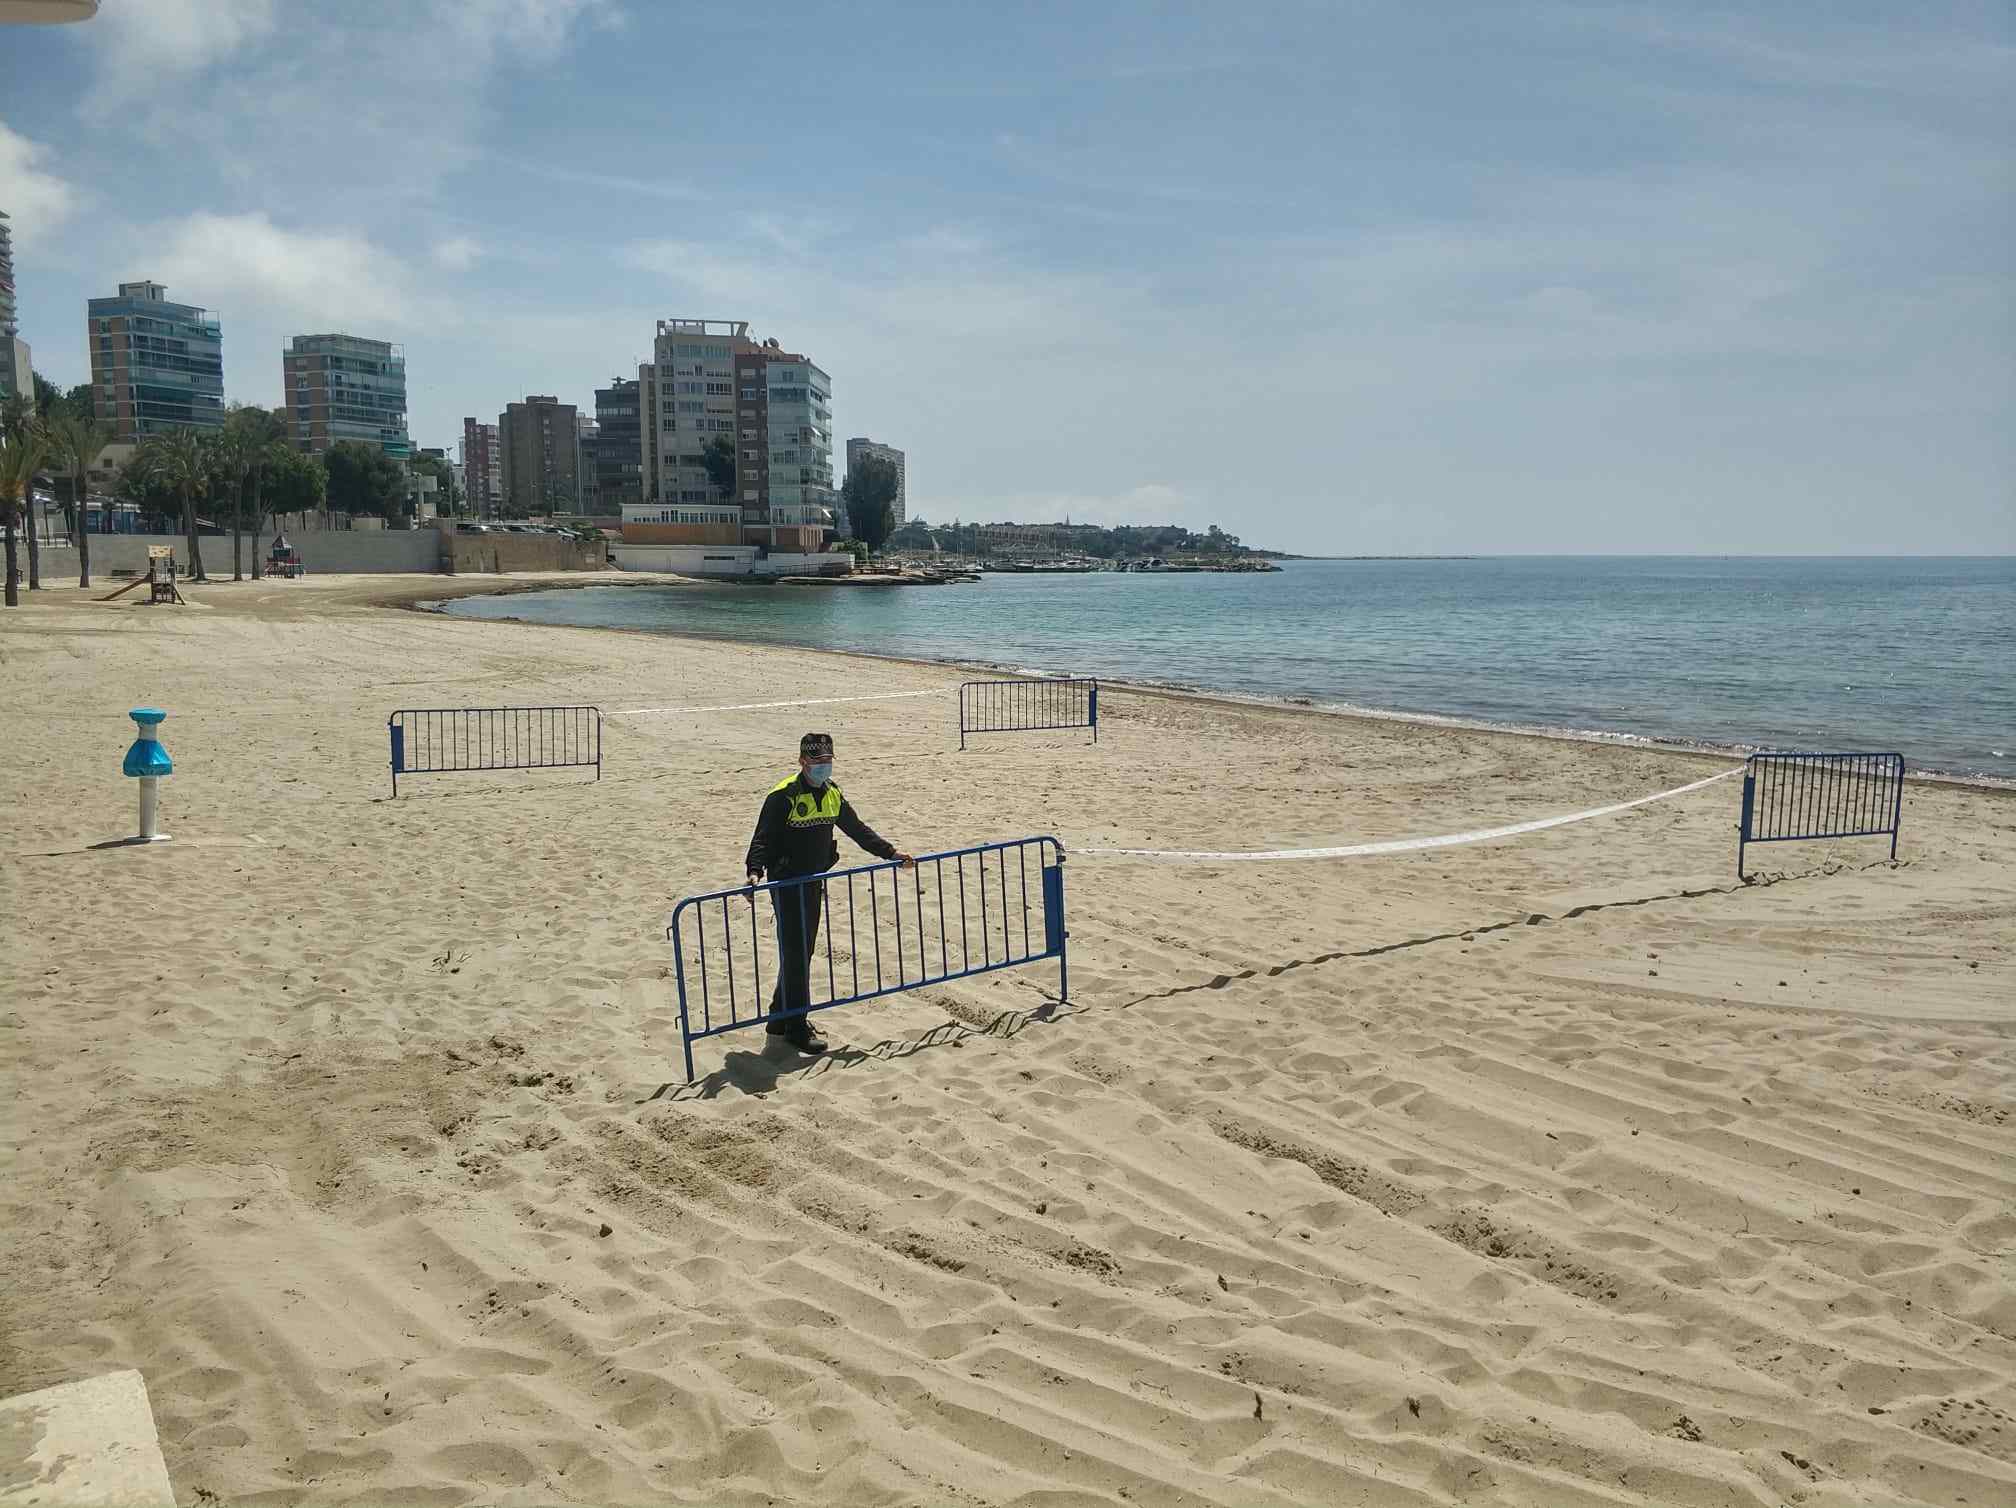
(794, 839)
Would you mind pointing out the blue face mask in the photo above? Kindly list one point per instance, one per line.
(819, 774)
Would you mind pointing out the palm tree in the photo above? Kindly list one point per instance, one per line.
(230, 454)
(256, 430)
(19, 421)
(181, 459)
(75, 441)
(20, 457)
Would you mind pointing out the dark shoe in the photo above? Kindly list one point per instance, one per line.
(805, 1037)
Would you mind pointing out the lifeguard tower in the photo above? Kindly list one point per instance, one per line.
(284, 560)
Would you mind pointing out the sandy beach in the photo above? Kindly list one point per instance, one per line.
(1559, 1170)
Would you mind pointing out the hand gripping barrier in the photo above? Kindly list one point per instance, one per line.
(1790, 797)
(1028, 706)
(443, 740)
(1002, 903)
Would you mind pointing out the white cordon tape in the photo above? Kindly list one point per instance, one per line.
(817, 701)
(1401, 845)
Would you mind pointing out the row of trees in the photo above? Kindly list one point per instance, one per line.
(243, 472)
(1124, 542)
(53, 434)
(240, 473)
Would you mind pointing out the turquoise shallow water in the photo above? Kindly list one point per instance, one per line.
(1917, 655)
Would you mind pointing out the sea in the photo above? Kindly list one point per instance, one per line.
(1916, 655)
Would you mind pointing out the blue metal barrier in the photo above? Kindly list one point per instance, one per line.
(876, 936)
(1028, 706)
(1790, 797)
(441, 740)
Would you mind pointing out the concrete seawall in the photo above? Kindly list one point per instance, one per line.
(343, 552)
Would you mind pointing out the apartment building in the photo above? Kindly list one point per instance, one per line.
(540, 443)
(619, 452)
(708, 384)
(482, 467)
(784, 449)
(155, 365)
(860, 448)
(17, 368)
(587, 463)
(344, 387)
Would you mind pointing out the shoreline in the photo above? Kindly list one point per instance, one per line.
(1176, 691)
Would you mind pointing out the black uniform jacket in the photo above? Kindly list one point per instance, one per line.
(794, 832)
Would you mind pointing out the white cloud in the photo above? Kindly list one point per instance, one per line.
(398, 88)
(36, 201)
(457, 253)
(248, 260)
(144, 39)
(530, 25)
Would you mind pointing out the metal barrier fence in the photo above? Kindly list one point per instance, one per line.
(1790, 797)
(1028, 706)
(876, 938)
(441, 740)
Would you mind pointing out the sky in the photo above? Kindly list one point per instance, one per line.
(1344, 278)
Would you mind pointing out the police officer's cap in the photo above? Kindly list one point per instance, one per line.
(816, 746)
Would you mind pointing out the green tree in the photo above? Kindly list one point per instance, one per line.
(48, 396)
(20, 458)
(139, 484)
(20, 422)
(250, 432)
(869, 496)
(230, 456)
(291, 483)
(719, 459)
(363, 479)
(75, 441)
(82, 399)
(17, 416)
(181, 460)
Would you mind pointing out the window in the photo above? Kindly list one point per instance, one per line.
(749, 495)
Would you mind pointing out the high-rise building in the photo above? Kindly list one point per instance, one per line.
(587, 460)
(784, 420)
(17, 367)
(619, 450)
(694, 361)
(709, 383)
(154, 365)
(859, 448)
(343, 387)
(541, 447)
(482, 466)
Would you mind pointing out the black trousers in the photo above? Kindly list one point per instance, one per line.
(798, 907)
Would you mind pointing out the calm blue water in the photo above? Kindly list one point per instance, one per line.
(1917, 654)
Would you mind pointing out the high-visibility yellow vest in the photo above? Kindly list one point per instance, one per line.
(809, 810)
